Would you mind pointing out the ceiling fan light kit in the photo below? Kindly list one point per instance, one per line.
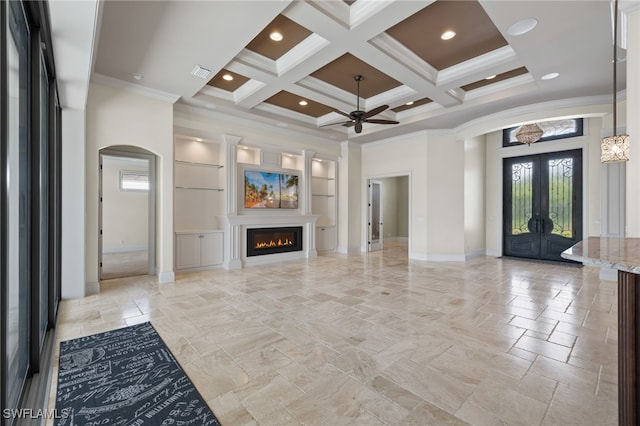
(357, 117)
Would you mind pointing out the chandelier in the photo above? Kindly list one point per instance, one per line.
(529, 133)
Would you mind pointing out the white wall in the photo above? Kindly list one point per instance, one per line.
(445, 197)
(118, 117)
(125, 214)
(350, 204)
(73, 204)
(474, 196)
(402, 156)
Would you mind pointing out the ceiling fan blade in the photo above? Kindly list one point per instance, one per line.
(375, 111)
(342, 113)
(378, 121)
(344, 123)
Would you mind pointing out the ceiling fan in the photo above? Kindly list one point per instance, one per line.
(357, 117)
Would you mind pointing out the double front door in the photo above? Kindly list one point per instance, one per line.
(542, 204)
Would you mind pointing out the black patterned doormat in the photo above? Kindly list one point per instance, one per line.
(125, 377)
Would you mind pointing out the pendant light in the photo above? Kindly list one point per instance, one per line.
(615, 149)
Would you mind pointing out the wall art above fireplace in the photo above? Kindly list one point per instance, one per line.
(270, 190)
(262, 241)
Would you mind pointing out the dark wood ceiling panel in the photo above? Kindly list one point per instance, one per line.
(290, 101)
(475, 33)
(419, 102)
(219, 82)
(500, 77)
(292, 34)
(341, 71)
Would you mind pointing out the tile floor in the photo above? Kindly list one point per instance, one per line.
(379, 340)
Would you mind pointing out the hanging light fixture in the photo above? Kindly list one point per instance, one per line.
(529, 133)
(615, 149)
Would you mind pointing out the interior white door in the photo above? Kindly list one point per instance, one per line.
(375, 215)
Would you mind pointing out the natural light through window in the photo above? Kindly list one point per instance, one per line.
(134, 180)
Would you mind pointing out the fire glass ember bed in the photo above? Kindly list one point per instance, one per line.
(262, 241)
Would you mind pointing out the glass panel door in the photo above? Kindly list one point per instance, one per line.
(542, 204)
(15, 310)
(375, 215)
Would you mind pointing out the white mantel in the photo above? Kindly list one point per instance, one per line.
(236, 226)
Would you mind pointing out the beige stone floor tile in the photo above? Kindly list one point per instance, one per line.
(513, 407)
(377, 339)
(544, 348)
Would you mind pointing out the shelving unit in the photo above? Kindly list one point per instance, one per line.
(198, 202)
(323, 203)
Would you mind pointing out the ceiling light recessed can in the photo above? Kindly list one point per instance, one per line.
(550, 76)
(227, 77)
(448, 35)
(275, 36)
(522, 27)
(303, 103)
(491, 77)
(136, 75)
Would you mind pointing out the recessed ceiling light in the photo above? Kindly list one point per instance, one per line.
(448, 35)
(522, 27)
(137, 76)
(303, 103)
(198, 140)
(491, 77)
(550, 76)
(275, 36)
(409, 103)
(227, 77)
(281, 124)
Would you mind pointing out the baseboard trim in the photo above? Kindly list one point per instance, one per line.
(446, 257)
(92, 288)
(166, 277)
(474, 254)
(123, 249)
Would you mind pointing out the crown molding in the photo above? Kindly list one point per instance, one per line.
(134, 88)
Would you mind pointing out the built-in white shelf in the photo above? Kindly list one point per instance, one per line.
(199, 188)
(195, 163)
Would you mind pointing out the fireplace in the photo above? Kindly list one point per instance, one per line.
(273, 240)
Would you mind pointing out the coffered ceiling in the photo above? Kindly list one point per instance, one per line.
(300, 81)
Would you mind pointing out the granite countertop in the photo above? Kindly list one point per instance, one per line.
(618, 253)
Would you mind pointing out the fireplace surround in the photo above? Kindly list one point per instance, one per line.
(273, 240)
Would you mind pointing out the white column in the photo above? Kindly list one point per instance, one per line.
(308, 167)
(633, 125)
(232, 231)
(231, 164)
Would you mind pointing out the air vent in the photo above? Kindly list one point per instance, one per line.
(202, 72)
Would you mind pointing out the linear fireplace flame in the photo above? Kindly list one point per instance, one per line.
(273, 240)
(272, 243)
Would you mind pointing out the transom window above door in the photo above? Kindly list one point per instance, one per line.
(552, 130)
